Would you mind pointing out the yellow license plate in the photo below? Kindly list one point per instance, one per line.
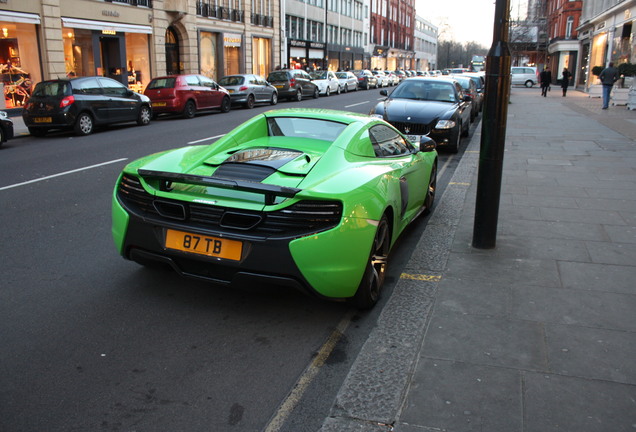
(159, 104)
(42, 120)
(279, 86)
(230, 91)
(204, 245)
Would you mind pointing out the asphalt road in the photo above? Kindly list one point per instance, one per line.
(92, 342)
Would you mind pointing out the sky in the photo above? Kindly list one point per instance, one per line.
(463, 20)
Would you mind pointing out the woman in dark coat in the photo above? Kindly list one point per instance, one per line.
(565, 81)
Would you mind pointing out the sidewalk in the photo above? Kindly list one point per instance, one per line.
(538, 334)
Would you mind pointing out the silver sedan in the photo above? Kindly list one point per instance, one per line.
(249, 89)
(348, 81)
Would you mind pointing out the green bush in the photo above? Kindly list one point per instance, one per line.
(596, 70)
(627, 69)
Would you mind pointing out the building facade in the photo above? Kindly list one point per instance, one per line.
(563, 46)
(392, 34)
(133, 40)
(606, 34)
(425, 39)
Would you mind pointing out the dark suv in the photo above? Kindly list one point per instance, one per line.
(293, 84)
(83, 103)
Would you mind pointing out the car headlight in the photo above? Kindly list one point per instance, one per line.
(445, 124)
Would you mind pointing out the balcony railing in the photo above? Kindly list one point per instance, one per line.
(262, 20)
(146, 3)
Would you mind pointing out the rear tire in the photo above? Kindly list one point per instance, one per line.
(189, 110)
(316, 93)
(145, 114)
(274, 99)
(370, 287)
(226, 105)
(299, 95)
(432, 188)
(84, 124)
(529, 84)
(250, 102)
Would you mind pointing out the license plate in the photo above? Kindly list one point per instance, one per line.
(415, 139)
(42, 120)
(279, 86)
(159, 104)
(204, 245)
(230, 91)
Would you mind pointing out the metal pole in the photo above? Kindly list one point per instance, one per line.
(493, 131)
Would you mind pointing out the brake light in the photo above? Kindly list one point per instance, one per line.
(242, 88)
(292, 82)
(68, 100)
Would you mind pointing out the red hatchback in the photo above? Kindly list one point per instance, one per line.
(186, 94)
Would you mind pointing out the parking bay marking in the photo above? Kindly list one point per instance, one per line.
(62, 174)
(356, 104)
(206, 139)
(299, 389)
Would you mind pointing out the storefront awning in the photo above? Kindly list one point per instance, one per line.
(19, 17)
(105, 25)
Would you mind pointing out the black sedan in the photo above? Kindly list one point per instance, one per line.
(83, 103)
(6, 127)
(436, 107)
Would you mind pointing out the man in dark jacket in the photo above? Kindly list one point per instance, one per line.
(545, 78)
(608, 77)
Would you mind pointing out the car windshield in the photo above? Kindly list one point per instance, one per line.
(305, 128)
(231, 80)
(277, 76)
(51, 88)
(318, 75)
(431, 91)
(160, 83)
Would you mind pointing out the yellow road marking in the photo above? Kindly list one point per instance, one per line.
(429, 278)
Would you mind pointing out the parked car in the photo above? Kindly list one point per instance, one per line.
(306, 198)
(186, 95)
(293, 84)
(366, 79)
(480, 82)
(83, 103)
(526, 75)
(348, 81)
(436, 107)
(393, 78)
(400, 74)
(326, 81)
(249, 89)
(383, 80)
(470, 89)
(6, 127)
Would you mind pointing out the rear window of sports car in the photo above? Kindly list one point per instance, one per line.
(305, 128)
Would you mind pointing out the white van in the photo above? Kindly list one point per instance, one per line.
(524, 75)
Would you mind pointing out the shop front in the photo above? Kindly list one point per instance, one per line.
(261, 56)
(345, 58)
(232, 43)
(115, 50)
(19, 56)
(307, 54)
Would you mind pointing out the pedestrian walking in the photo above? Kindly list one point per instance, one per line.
(565, 81)
(608, 77)
(545, 78)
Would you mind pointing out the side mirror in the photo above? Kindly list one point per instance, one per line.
(427, 144)
(383, 92)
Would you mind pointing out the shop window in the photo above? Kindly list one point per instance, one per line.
(173, 63)
(137, 61)
(78, 52)
(261, 55)
(19, 61)
(208, 54)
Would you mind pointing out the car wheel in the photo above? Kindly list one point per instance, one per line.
(189, 110)
(465, 130)
(316, 93)
(346, 89)
(143, 119)
(357, 87)
(226, 105)
(84, 124)
(299, 95)
(369, 289)
(338, 89)
(250, 102)
(274, 99)
(432, 188)
(327, 91)
(529, 83)
(453, 146)
(38, 132)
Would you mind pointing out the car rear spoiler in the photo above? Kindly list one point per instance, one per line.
(269, 191)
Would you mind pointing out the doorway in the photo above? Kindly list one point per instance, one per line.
(173, 65)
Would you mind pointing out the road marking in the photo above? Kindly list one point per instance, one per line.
(361, 103)
(421, 277)
(459, 183)
(294, 397)
(62, 174)
(206, 139)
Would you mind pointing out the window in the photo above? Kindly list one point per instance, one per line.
(386, 142)
(305, 128)
(87, 87)
(568, 27)
(113, 88)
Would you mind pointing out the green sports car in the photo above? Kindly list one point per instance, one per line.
(308, 198)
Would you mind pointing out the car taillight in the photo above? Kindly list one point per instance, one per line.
(242, 88)
(361, 78)
(68, 100)
(292, 82)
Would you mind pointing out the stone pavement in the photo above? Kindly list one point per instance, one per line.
(538, 334)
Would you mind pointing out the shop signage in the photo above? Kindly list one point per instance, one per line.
(110, 13)
(232, 39)
(306, 44)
